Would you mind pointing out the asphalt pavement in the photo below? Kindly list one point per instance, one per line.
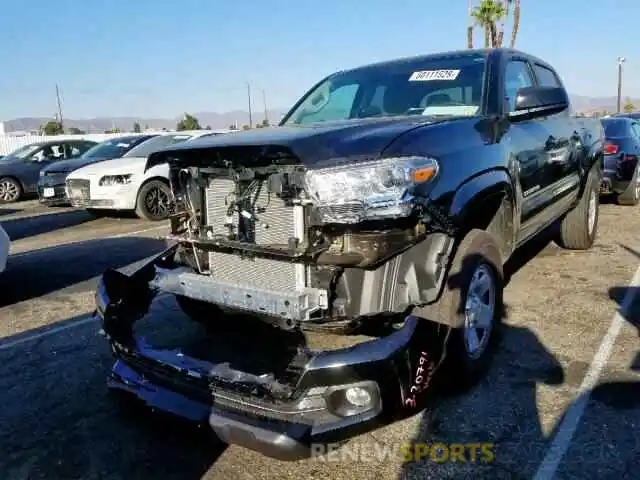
(562, 396)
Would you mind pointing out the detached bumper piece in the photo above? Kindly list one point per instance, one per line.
(334, 395)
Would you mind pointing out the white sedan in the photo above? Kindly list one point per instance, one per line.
(5, 246)
(123, 184)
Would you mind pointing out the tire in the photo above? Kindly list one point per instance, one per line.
(477, 260)
(631, 196)
(153, 201)
(579, 227)
(10, 190)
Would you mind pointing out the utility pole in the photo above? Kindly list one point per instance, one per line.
(249, 98)
(264, 101)
(59, 105)
(621, 60)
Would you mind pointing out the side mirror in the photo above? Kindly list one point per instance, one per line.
(532, 102)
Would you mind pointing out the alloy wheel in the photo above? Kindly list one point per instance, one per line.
(479, 311)
(156, 202)
(9, 191)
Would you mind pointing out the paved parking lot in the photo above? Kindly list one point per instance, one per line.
(560, 339)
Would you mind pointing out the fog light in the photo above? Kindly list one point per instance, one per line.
(358, 396)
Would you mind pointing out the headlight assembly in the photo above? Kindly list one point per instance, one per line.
(368, 191)
(109, 180)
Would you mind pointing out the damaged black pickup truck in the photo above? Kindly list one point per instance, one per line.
(389, 198)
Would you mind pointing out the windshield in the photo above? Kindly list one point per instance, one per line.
(22, 152)
(113, 148)
(156, 143)
(615, 127)
(445, 86)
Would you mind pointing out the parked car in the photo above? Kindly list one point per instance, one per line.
(633, 115)
(123, 183)
(20, 170)
(5, 248)
(621, 150)
(387, 201)
(51, 185)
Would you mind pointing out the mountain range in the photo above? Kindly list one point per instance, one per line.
(580, 104)
(100, 124)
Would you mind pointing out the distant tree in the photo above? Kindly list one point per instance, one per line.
(113, 130)
(233, 127)
(146, 126)
(265, 123)
(628, 105)
(76, 131)
(52, 128)
(136, 127)
(246, 127)
(189, 122)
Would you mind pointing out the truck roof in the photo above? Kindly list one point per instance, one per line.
(473, 52)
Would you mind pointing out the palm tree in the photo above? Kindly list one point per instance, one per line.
(470, 26)
(516, 22)
(486, 15)
(506, 4)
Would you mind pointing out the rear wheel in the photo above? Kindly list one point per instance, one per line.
(10, 190)
(471, 304)
(631, 196)
(579, 227)
(153, 201)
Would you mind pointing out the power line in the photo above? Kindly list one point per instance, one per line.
(264, 100)
(249, 98)
(59, 106)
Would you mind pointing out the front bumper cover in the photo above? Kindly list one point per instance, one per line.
(396, 371)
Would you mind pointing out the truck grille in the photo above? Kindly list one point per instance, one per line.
(275, 225)
(78, 189)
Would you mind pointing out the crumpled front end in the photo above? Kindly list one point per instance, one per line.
(320, 396)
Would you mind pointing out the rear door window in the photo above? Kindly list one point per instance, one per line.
(517, 76)
(546, 77)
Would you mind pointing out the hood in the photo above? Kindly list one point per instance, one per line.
(116, 166)
(311, 144)
(66, 166)
(8, 159)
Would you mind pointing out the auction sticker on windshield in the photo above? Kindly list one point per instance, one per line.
(428, 75)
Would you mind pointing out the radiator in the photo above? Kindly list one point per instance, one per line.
(279, 223)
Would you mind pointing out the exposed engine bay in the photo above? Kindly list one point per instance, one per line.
(277, 240)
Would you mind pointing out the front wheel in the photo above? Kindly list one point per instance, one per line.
(153, 201)
(579, 227)
(10, 190)
(471, 305)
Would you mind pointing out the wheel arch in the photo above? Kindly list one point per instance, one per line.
(487, 202)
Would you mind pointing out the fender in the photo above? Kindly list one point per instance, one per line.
(487, 201)
(593, 160)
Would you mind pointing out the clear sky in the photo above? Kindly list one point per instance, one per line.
(161, 58)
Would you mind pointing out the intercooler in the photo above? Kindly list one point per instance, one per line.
(275, 224)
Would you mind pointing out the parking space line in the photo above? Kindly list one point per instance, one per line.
(46, 333)
(110, 237)
(572, 417)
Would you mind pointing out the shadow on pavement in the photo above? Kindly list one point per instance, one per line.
(8, 211)
(18, 228)
(59, 422)
(502, 410)
(36, 273)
